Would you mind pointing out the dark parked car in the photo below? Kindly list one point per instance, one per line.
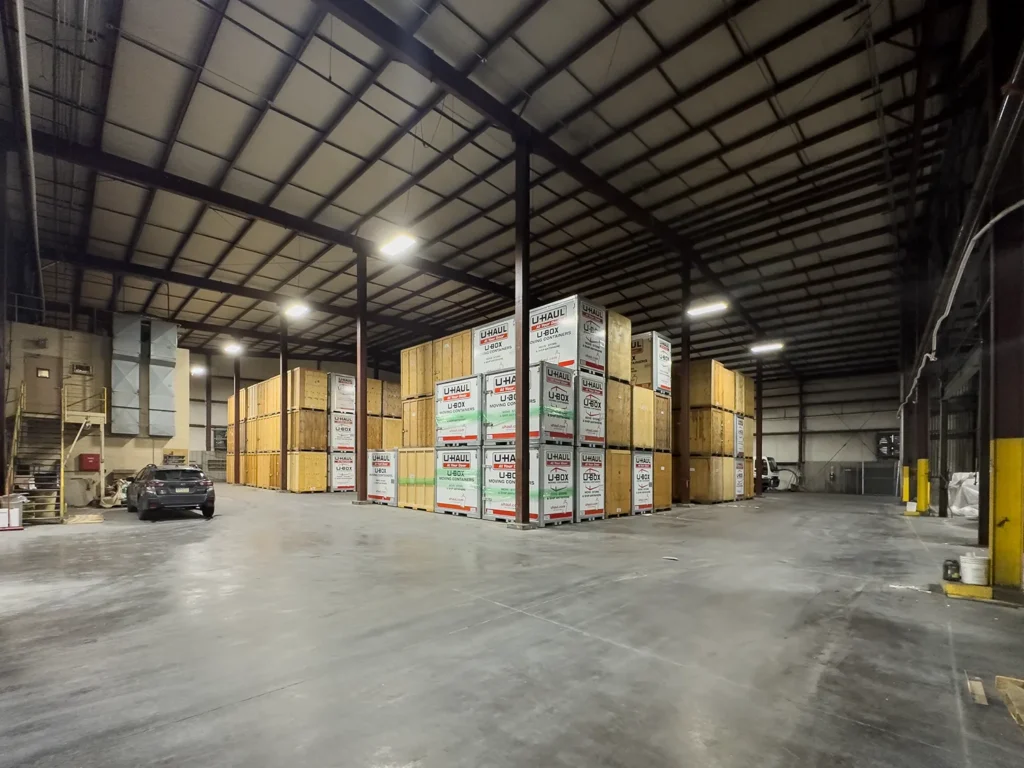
(158, 488)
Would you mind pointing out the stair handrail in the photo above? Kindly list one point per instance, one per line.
(9, 469)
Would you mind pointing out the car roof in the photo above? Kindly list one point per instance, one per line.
(176, 466)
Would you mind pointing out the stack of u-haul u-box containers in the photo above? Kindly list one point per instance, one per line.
(341, 433)
(567, 391)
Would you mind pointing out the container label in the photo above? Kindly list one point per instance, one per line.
(500, 406)
(738, 436)
(343, 431)
(500, 483)
(569, 333)
(589, 484)
(739, 478)
(343, 471)
(557, 488)
(457, 481)
(494, 346)
(643, 481)
(382, 476)
(551, 411)
(591, 392)
(651, 355)
(343, 392)
(458, 411)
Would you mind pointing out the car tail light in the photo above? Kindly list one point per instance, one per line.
(155, 484)
(206, 483)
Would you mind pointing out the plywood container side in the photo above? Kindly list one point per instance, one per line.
(620, 334)
(618, 483)
(251, 402)
(712, 479)
(391, 433)
(374, 433)
(680, 476)
(231, 412)
(416, 478)
(374, 397)
(307, 472)
(453, 356)
(268, 471)
(307, 388)
(711, 385)
(748, 437)
(739, 391)
(242, 405)
(250, 473)
(751, 398)
(748, 478)
(662, 422)
(619, 414)
(391, 405)
(418, 430)
(230, 469)
(231, 439)
(711, 432)
(643, 418)
(418, 370)
(307, 430)
(662, 480)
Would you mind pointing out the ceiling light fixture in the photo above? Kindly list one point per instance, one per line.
(198, 370)
(707, 309)
(233, 348)
(767, 346)
(398, 245)
(296, 310)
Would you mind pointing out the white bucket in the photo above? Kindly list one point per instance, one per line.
(974, 569)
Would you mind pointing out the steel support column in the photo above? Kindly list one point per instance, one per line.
(522, 317)
(800, 457)
(759, 432)
(984, 428)
(942, 457)
(681, 393)
(208, 398)
(361, 376)
(238, 424)
(922, 443)
(284, 401)
(4, 320)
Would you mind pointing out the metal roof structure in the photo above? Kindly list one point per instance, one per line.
(204, 160)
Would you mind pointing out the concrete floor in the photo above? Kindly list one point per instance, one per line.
(305, 631)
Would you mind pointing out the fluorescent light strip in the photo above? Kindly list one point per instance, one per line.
(707, 309)
(768, 346)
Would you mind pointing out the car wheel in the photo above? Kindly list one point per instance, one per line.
(145, 514)
(132, 509)
(207, 511)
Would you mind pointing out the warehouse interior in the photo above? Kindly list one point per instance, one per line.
(759, 261)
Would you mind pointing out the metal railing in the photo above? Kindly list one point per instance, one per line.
(94, 403)
(9, 469)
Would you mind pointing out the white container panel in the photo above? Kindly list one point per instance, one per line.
(589, 484)
(643, 482)
(459, 411)
(342, 391)
(382, 477)
(570, 333)
(458, 481)
(652, 362)
(494, 346)
(591, 399)
(343, 431)
(552, 484)
(343, 471)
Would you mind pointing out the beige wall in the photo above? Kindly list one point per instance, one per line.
(121, 452)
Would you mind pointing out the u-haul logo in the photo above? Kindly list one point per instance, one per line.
(547, 318)
(455, 457)
(557, 458)
(505, 380)
(496, 332)
(637, 345)
(454, 389)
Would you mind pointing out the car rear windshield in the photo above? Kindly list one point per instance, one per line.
(179, 474)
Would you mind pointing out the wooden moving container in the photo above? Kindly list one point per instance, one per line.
(662, 480)
(268, 394)
(740, 384)
(712, 385)
(712, 479)
(231, 469)
(620, 335)
(246, 438)
(307, 472)
(267, 431)
(712, 432)
(374, 433)
(618, 483)
(662, 422)
(745, 399)
(252, 402)
(643, 418)
(416, 478)
(453, 356)
(231, 410)
(749, 439)
(231, 439)
(391, 405)
(390, 434)
(619, 414)
(307, 389)
(307, 430)
(418, 430)
(418, 371)
(374, 396)
(748, 478)
(249, 468)
(268, 471)
(680, 477)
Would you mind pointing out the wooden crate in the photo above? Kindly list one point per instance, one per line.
(712, 385)
(268, 434)
(231, 468)
(307, 471)
(453, 356)
(252, 401)
(307, 430)
(307, 388)
(418, 371)
(662, 480)
(712, 432)
(745, 405)
(245, 433)
(231, 438)
(740, 385)
(250, 468)
(749, 439)
(418, 429)
(643, 418)
(391, 405)
(620, 335)
(618, 483)
(748, 478)
(662, 422)
(269, 396)
(619, 414)
(416, 478)
(374, 434)
(374, 397)
(242, 406)
(231, 411)
(268, 471)
(712, 479)
(390, 433)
